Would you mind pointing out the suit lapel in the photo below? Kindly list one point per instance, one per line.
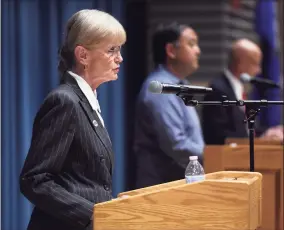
(235, 112)
(229, 89)
(92, 116)
(98, 127)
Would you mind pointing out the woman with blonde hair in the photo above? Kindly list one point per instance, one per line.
(69, 165)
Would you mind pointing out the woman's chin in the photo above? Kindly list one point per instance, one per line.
(111, 77)
(114, 77)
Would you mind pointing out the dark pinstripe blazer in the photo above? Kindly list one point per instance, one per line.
(68, 168)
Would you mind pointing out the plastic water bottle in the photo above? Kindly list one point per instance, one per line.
(194, 170)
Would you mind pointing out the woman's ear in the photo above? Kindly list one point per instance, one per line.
(81, 55)
(170, 50)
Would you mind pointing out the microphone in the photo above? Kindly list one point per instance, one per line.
(158, 87)
(245, 78)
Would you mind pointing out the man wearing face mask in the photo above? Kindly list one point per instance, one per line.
(166, 131)
(221, 122)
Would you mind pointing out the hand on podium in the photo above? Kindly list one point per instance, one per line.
(123, 197)
(274, 133)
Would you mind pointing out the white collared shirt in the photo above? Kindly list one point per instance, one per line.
(236, 84)
(89, 93)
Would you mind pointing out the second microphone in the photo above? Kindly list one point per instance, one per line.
(158, 87)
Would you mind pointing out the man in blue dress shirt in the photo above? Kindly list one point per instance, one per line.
(166, 131)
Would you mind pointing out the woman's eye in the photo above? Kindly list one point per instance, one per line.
(114, 50)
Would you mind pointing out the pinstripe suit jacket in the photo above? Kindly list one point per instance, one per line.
(68, 168)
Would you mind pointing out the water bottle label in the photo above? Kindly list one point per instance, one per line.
(191, 179)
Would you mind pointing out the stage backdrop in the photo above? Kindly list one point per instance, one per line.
(32, 31)
(267, 28)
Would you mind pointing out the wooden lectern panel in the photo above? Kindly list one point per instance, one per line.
(268, 161)
(224, 200)
(257, 141)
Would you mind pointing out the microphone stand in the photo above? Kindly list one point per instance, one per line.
(252, 108)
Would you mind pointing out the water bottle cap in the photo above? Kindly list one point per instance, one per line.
(192, 158)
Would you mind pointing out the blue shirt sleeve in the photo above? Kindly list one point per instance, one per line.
(168, 113)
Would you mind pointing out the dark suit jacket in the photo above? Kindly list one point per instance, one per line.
(69, 165)
(220, 122)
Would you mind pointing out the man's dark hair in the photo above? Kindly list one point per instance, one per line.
(162, 36)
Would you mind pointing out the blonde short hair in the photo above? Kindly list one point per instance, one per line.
(88, 28)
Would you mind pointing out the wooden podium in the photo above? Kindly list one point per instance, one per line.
(224, 200)
(269, 161)
(257, 141)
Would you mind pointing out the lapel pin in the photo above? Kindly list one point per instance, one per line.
(95, 123)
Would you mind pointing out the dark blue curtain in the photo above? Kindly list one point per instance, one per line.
(31, 35)
(267, 29)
